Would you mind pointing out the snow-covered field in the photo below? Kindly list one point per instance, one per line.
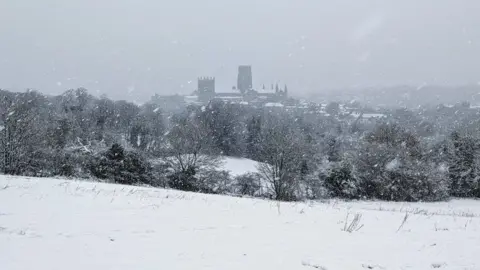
(48, 224)
(238, 166)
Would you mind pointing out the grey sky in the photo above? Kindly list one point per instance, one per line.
(134, 48)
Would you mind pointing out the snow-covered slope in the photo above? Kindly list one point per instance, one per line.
(48, 224)
(238, 166)
(234, 165)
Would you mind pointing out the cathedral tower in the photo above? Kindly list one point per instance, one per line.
(244, 79)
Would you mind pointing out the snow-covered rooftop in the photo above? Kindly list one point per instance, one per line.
(273, 104)
(229, 97)
(191, 99)
(369, 115)
(373, 115)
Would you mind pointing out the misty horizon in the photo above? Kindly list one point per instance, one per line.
(133, 49)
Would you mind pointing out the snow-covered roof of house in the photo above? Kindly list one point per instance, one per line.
(273, 104)
(373, 115)
(227, 91)
(191, 99)
(236, 91)
(229, 97)
(369, 115)
(265, 91)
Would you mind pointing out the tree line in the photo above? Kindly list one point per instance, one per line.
(429, 154)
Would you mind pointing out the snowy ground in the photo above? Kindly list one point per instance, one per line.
(235, 166)
(48, 224)
(238, 166)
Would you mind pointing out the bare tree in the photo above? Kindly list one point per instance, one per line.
(188, 154)
(283, 151)
(189, 146)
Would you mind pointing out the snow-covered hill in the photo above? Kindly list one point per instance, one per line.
(48, 224)
(238, 166)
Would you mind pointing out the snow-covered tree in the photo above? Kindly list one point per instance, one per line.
(252, 141)
(463, 169)
(282, 150)
(189, 152)
(222, 122)
(391, 165)
(23, 131)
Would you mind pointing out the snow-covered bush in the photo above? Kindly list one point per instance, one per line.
(248, 184)
(216, 182)
(205, 181)
(184, 180)
(340, 182)
(123, 167)
(414, 181)
(391, 165)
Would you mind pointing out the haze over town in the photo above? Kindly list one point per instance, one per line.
(133, 49)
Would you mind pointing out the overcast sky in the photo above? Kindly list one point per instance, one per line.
(134, 48)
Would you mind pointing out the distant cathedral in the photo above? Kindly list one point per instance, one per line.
(206, 89)
(244, 79)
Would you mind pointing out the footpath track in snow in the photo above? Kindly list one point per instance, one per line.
(50, 224)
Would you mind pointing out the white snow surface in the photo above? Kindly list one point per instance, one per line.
(54, 224)
(234, 165)
(238, 166)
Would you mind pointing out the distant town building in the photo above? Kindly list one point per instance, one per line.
(243, 93)
(172, 103)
